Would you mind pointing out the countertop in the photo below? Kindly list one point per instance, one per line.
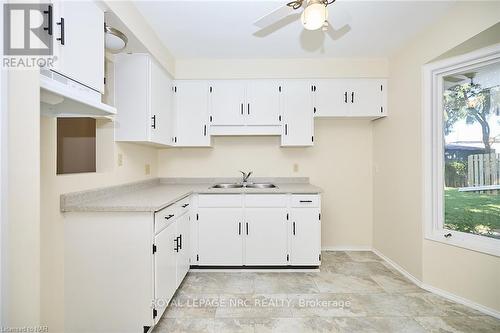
(156, 194)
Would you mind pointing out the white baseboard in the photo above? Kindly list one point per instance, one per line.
(440, 292)
(346, 248)
(400, 269)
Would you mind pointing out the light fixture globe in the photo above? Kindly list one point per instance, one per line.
(314, 15)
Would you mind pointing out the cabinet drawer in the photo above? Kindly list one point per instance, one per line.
(220, 200)
(183, 205)
(265, 200)
(165, 217)
(304, 200)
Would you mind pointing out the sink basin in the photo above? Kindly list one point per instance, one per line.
(235, 185)
(261, 185)
(230, 185)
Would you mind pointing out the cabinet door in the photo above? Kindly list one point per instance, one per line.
(132, 75)
(184, 247)
(265, 232)
(298, 126)
(219, 236)
(263, 102)
(165, 268)
(305, 239)
(227, 102)
(161, 105)
(365, 97)
(80, 24)
(330, 98)
(191, 105)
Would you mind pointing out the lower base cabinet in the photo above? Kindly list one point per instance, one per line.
(258, 230)
(219, 237)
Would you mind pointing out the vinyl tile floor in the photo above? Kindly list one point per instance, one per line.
(353, 292)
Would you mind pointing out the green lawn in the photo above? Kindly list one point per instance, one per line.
(472, 212)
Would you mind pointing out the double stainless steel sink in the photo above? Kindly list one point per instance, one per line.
(249, 185)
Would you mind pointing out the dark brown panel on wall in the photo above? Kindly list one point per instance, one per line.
(76, 151)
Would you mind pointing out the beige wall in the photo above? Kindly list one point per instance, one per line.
(22, 248)
(52, 225)
(340, 161)
(397, 159)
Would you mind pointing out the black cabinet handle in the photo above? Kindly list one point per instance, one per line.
(169, 216)
(61, 39)
(48, 28)
(345, 97)
(286, 129)
(293, 228)
(239, 228)
(247, 228)
(248, 108)
(205, 130)
(305, 200)
(185, 205)
(241, 108)
(352, 97)
(180, 241)
(176, 241)
(153, 125)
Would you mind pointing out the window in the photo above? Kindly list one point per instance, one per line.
(76, 145)
(462, 150)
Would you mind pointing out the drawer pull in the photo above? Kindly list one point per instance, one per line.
(176, 241)
(180, 241)
(294, 228)
(304, 201)
(185, 205)
(169, 216)
(239, 228)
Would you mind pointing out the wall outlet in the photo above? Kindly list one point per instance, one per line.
(295, 167)
(147, 169)
(120, 160)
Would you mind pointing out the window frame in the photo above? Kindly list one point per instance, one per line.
(433, 150)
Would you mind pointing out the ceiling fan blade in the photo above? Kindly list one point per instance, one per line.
(336, 34)
(274, 16)
(277, 25)
(339, 17)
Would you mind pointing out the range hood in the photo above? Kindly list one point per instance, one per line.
(63, 97)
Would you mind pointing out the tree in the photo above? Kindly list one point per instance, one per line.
(471, 102)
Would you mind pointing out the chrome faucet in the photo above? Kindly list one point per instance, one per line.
(244, 180)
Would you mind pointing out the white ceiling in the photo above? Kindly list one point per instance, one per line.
(224, 29)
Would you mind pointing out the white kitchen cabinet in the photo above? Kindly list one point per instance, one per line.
(227, 102)
(165, 268)
(298, 125)
(183, 243)
(305, 235)
(191, 108)
(143, 97)
(78, 32)
(350, 98)
(263, 102)
(220, 237)
(265, 236)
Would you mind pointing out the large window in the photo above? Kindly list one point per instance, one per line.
(462, 150)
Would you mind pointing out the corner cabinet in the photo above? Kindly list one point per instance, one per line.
(191, 113)
(298, 125)
(143, 98)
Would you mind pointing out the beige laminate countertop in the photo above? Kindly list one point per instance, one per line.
(153, 195)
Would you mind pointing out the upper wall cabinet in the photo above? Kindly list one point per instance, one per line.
(78, 31)
(350, 97)
(245, 107)
(191, 113)
(143, 98)
(298, 125)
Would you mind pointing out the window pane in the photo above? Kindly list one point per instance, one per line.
(471, 123)
(76, 145)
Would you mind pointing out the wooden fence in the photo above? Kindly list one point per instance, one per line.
(483, 172)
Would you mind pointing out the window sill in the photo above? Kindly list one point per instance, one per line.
(470, 242)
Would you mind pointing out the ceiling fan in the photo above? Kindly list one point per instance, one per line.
(314, 15)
